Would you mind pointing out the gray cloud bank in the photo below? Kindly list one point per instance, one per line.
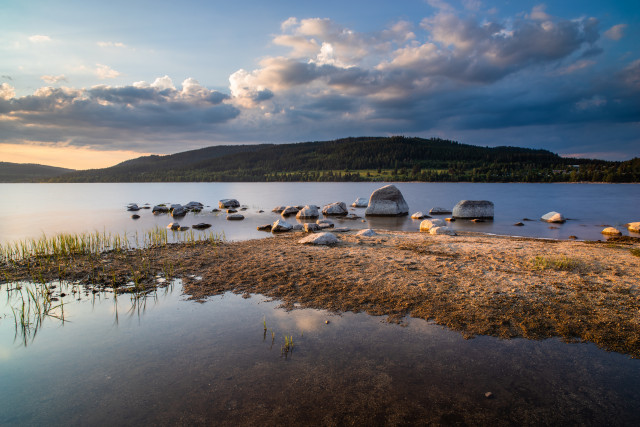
(451, 75)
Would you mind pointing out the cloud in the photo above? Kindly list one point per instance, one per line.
(114, 117)
(111, 44)
(6, 91)
(39, 39)
(616, 32)
(576, 66)
(53, 79)
(538, 13)
(105, 72)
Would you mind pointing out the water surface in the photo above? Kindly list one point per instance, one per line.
(31, 210)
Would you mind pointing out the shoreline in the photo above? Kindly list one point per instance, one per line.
(476, 284)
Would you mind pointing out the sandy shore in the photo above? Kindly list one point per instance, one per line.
(476, 284)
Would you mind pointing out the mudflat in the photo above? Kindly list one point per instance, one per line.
(476, 284)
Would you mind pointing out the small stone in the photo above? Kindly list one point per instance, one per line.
(135, 216)
(573, 237)
(519, 224)
(265, 227)
(201, 226)
(477, 220)
(450, 219)
(488, 395)
(235, 217)
(173, 226)
(326, 322)
(611, 231)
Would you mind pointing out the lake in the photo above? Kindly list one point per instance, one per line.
(31, 210)
(163, 360)
(166, 360)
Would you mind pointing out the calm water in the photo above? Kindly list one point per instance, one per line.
(29, 210)
(165, 360)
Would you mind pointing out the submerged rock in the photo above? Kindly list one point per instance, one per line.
(133, 207)
(201, 226)
(228, 203)
(417, 215)
(553, 217)
(235, 217)
(468, 209)
(311, 227)
(278, 209)
(178, 210)
(265, 227)
(428, 224)
(387, 201)
(159, 209)
(319, 239)
(135, 216)
(173, 226)
(439, 211)
(325, 223)
(360, 202)
(518, 224)
(335, 209)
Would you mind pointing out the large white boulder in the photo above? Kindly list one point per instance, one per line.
(280, 226)
(442, 230)
(228, 203)
(470, 209)
(335, 208)
(553, 217)
(309, 211)
(387, 201)
(428, 224)
(360, 202)
(319, 239)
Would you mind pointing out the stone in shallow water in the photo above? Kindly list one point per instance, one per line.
(360, 202)
(289, 210)
(280, 226)
(553, 217)
(387, 201)
(173, 226)
(417, 215)
(439, 211)
(228, 203)
(468, 209)
(235, 217)
(264, 227)
(367, 233)
(335, 208)
(309, 211)
(634, 227)
(611, 231)
(442, 230)
(201, 226)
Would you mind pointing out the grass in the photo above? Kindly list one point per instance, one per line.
(559, 263)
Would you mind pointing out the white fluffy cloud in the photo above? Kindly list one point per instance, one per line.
(7, 91)
(105, 72)
(616, 32)
(53, 79)
(39, 39)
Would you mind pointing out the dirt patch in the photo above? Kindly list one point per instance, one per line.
(475, 284)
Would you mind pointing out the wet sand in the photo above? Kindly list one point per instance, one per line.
(476, 284)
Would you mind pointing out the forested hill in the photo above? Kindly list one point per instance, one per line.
(28, 172)
(362, 159)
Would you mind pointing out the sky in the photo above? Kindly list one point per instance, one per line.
(87, 84)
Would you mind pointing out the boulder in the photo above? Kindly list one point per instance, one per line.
(173, 226)
(309, 211)
(311, 227)
(159, 209)
(228, 203)
(319, 239)
(611, 231)
(201, 226)
(427, 224)
(178, 210)
(278, 209)
(417, 215)
(387, 201)
(634, 227)
(195, 206)
(265, 227)
(325, 223)
(235, 217)
(367, 233)
(442, 230)
(468, 209)
(553, 217)
(360, 202)
(439, 211)
(289, 210)
(280, 226)
(335, 209)
(297, 227)
(133, 207)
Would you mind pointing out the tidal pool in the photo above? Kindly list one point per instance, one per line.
(163, 359)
